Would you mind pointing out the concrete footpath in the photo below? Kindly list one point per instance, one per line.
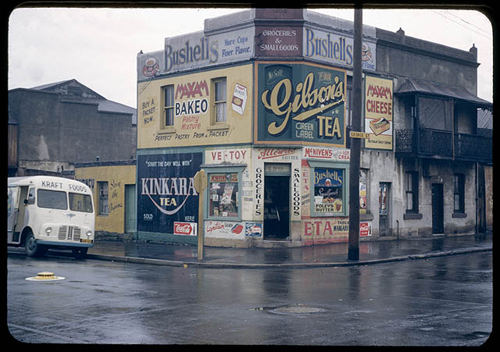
(329, 255)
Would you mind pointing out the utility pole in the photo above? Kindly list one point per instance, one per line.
(353, 253)
(200, 183)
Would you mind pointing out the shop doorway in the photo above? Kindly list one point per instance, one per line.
(384, 208)
(437, 209)
(276, 205)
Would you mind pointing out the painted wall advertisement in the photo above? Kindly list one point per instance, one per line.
(167, 201)
(278, 41)
(336, 49)
(378, 112)
(197, 50)
(300, 104)
(190, 112)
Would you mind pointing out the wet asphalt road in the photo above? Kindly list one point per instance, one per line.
(444, 301)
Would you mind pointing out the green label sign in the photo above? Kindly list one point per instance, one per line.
(301, 104)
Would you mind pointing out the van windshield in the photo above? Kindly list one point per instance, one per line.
(80, 202)
(52, 199)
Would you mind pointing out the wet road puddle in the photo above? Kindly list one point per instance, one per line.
(296, 309)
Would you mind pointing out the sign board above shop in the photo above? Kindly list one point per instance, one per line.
(300, 103)
(197, 50)
(260, 33)
(336, 49)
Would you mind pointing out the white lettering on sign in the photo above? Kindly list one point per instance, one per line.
(191, 107)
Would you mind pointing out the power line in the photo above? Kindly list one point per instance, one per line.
(470, 24)
(460, 24)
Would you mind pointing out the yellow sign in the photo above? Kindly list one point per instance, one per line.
(179, 111)
(200, 181)
(362, 135)
(378, 112)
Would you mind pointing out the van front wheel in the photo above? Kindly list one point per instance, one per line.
(32, 248)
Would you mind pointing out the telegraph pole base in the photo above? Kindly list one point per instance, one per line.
(353, 254)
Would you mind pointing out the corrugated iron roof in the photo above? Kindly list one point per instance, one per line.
(412, 85)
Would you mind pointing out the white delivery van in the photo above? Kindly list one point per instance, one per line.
(50, 212)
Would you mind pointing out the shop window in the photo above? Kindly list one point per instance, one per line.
(168, 105)
(458, 193)
(363, 193)
(411, 191)
(220, 100)
(223, 195)
(103, 197)
(329, 186)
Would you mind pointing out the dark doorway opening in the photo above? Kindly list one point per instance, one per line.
(437, 209)
(276, 207)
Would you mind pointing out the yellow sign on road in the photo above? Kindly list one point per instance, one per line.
(362, 135)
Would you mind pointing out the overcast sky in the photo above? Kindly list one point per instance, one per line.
(98, 47)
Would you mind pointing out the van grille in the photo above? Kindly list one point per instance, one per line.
(70, 233)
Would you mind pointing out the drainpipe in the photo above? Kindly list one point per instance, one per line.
(452, 113)
(397, 226)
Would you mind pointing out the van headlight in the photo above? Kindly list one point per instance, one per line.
(89, 233)
(48, 230)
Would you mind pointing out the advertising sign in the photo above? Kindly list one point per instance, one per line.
(336, 49)
(150, 65)
(278, 41)
(167, 201)
(300, 104)
(197, 50)
(187, 117)
(378, 112)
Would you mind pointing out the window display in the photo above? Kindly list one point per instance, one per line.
(223, 198)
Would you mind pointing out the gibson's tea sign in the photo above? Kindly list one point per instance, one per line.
(302, 104)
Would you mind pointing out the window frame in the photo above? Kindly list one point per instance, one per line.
(215, 102)
(459, 190)
(411, 186)
(40, 197)
(223, 170)
(103, 198)
(168, 108)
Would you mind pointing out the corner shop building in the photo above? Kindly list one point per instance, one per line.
(260, 100)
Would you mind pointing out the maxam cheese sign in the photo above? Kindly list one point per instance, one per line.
(378, 112)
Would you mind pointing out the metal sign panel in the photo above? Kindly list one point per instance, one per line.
(300, 104)
(336, 49)
(166, 191)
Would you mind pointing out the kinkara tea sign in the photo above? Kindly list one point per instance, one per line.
(300, 104)
(379, 112)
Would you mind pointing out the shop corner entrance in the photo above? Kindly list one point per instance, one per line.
(277, 201)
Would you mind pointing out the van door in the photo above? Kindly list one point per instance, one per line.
(18, 215)
(12, 211)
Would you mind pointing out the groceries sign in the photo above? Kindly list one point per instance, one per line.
(301, 103)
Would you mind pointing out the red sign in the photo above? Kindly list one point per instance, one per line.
(185, 228)
(365, 229)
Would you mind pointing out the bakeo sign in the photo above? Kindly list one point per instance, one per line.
(301, 104)
(378, 112)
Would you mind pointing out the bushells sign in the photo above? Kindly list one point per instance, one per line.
(301, 104)
(166, 192)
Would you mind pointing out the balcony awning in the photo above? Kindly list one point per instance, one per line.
(412, 86)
